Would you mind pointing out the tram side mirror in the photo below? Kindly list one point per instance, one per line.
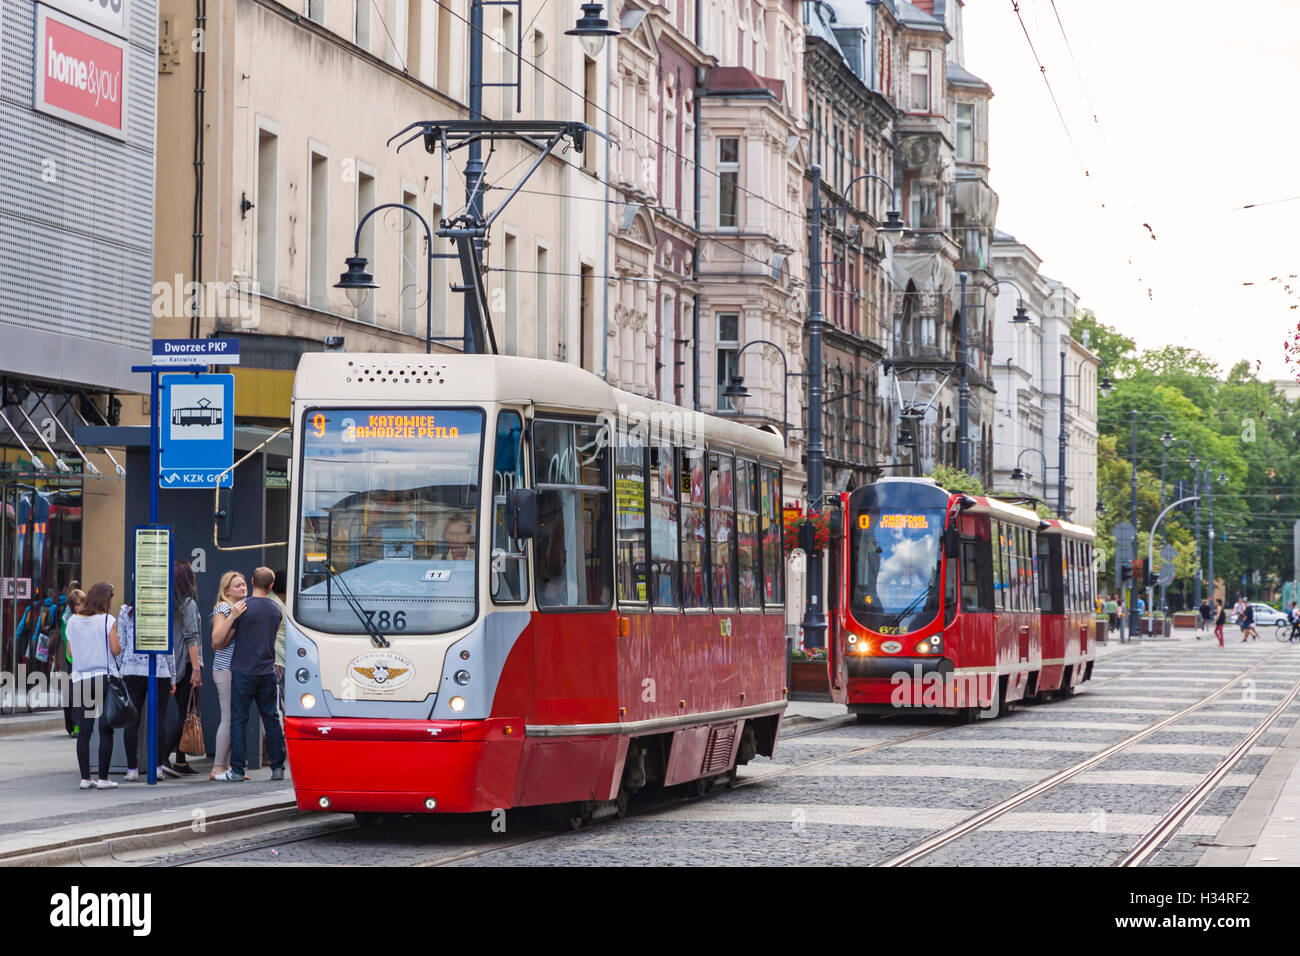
(521, 513)
(951, 542)
(225, 516)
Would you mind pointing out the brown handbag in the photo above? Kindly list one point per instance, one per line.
(192, 736)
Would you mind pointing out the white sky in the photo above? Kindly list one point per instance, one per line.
(1196, 108)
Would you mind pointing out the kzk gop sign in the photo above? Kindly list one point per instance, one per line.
(80, 73)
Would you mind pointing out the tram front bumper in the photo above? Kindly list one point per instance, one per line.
(894, 680)
(404, 766)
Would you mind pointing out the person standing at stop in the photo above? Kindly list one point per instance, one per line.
(1220, 619)
(253, 678)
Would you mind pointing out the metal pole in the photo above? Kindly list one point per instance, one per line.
(151, 701)
(1209, 503)
(814, 622)
(1163, 452)
(474, 162)
(1196, 490)
(1060, 461)
(1134, 623)
(963, 390)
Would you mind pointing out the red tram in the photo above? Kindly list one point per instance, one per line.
(515, 585)
(955, 603)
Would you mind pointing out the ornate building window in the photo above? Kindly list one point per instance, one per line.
(728, 346)
(918, 70)
(728, 182)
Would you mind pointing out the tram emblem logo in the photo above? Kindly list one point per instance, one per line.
(381, 671)
(891, 647)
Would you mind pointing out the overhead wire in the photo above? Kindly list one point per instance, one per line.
(649, 139)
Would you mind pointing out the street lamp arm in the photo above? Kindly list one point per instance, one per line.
(785, 383)
(1151, 541)
(428, 232)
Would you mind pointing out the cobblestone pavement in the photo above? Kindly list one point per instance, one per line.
(926, 774)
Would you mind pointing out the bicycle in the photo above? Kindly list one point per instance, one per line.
(1285, 631)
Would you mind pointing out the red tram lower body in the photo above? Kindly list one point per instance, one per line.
(678, 696)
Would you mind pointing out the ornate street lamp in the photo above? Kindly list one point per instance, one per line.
(592, 29)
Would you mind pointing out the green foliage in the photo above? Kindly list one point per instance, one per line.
(956, 480)
(1239, 424)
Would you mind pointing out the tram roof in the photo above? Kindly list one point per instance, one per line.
(549, 386)
(1003, 510)
(1072, 529)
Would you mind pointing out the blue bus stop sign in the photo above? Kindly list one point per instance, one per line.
(196, 431)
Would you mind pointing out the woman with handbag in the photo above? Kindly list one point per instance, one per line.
(187, 665)
(135, 670)
(93, 640)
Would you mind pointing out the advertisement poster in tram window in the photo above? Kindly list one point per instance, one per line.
(629, 497)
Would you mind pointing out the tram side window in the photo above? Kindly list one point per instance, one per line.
(1076, 566)
(574, 539)
(1046, 575)
(1031, 548)
(1013, 567)
(773, 554)
(509, 559)
(999, 579)
(1072, 568)
(695, 592)
(1085, 572)
(722, 530)
(976, 578)
(665, 589)
(747, 505)
(630, 523)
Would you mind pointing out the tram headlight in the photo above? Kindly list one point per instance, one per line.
(853, 639)
(308, 701)
(462, 678)
(457, 704)
(303, 675)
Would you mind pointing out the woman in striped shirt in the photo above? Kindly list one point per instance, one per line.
(230, 605)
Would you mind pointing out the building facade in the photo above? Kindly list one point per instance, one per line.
(851, 132)
(77, 131)
(706, 220)
(1032, 357)
(941, 157)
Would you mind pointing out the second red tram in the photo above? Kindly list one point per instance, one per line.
(955, 603)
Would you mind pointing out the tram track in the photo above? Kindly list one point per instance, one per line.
(668, 801)
(1150, 842)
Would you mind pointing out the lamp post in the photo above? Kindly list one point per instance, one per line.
(736, 387)
(357, 282)
(814, 621)
(1018, 475)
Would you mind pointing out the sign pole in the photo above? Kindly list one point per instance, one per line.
(155, 440)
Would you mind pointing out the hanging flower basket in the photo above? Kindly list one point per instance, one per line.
(820, 522)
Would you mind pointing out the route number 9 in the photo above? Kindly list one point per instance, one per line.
(318, 424)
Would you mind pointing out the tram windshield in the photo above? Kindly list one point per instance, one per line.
(389, 515)
(896, 561)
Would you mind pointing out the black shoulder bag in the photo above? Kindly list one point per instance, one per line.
(119, 712)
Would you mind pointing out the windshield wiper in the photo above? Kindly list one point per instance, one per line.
(333, 577)
(910, 608)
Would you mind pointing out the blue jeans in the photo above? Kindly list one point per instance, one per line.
(244, 690)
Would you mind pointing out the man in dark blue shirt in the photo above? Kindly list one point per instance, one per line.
(253, 677)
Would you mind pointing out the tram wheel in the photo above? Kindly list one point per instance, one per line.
(700, 786)
(621, 804)
(864, 718)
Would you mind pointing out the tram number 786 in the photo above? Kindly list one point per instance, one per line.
(385, 620)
